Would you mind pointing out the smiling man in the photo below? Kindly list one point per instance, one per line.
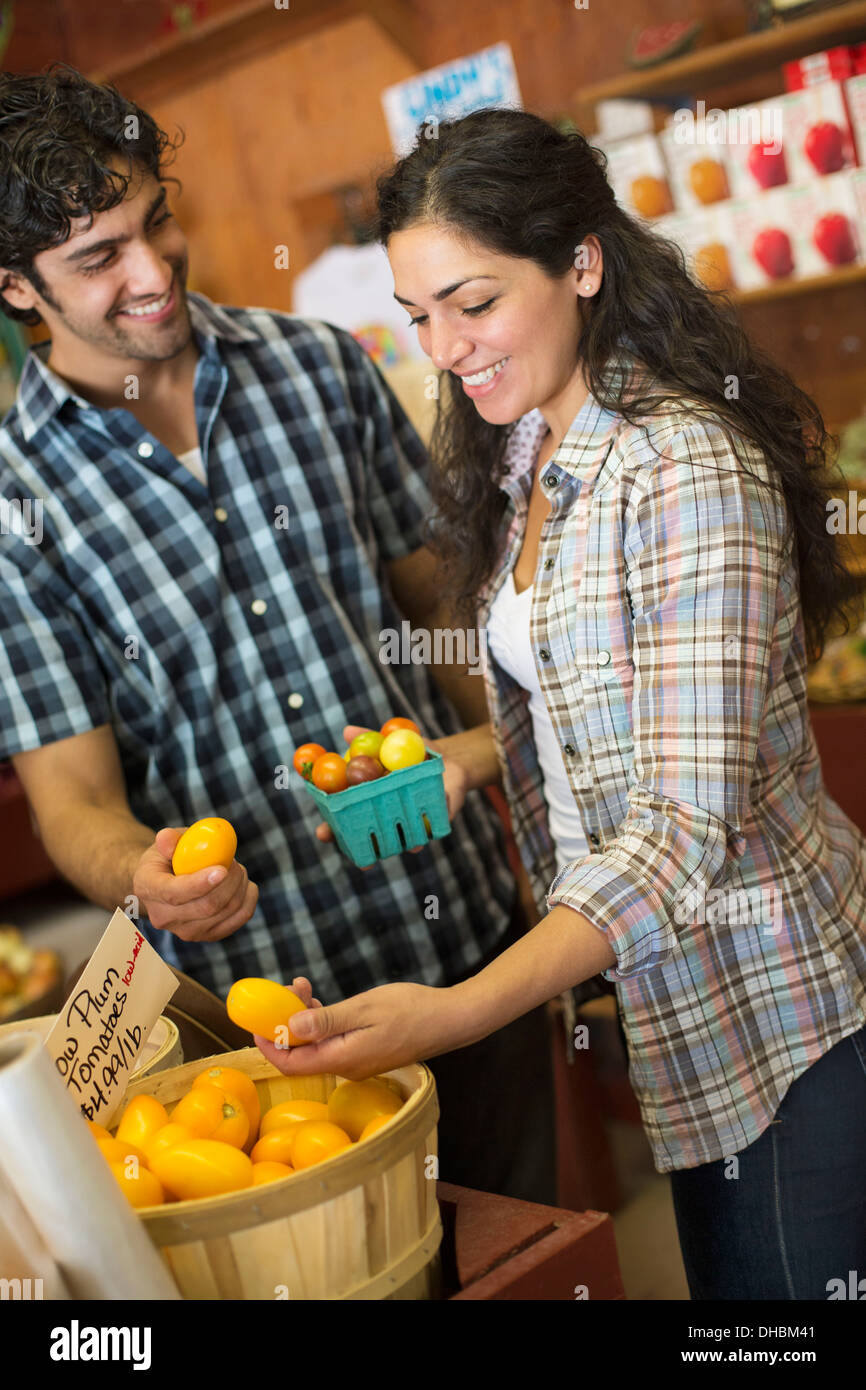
(232, 515)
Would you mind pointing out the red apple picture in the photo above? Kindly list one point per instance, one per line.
(766, 165)
(834, 238)
(772, 250)
(824, 147)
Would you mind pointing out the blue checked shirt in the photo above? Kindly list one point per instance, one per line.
(668, 640)
(217, 627)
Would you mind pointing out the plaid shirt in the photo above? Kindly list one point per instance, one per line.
(669, 644)
(215, 640)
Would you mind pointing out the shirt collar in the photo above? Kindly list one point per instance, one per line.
(42, 393)
(590, 427)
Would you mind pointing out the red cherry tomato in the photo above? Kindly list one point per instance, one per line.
(363, 769)
(329, 773)
(398, 723)
(305, 756)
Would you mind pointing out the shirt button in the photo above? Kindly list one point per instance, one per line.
(544, 654)
(258, 606)
(603, 658)
(220, 514)
(145, 449)
(549, 563)
(552, 480)
(570, 749)
(594, 840)
(295, 700)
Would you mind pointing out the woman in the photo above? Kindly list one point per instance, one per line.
(633, 497)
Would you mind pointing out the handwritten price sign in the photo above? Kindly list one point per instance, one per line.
(106, 1021)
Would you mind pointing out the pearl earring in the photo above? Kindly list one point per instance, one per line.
(587, 284)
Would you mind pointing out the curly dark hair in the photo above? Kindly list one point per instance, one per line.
(514, 183)
(58, 132)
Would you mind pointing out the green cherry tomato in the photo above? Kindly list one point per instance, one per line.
(366, 745)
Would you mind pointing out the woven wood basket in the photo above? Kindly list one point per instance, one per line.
(363, 1225)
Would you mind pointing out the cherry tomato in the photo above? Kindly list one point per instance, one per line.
(264, 1007)
(329, 773)
(366, 744)
(276, 1145)
(305, 756)
(140, 1187)
(205, 844)
(143, 1116)
(270, 1171)
(398, 723)
(363, 769)
(315, 1140)
(212, 1113)
(240, 1085)
(289, 1112)
(203, 1168)
(353, 1104)
(402, 748)
(166, 1137)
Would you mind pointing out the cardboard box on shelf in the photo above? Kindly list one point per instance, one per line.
(755, 148)
(764, 238)
(706, 237)
(830, 65)
(817, 132)
(855, 99)
(824, 214)
(638, 175)
(695, 161)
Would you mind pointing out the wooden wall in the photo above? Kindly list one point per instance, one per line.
(273, 134)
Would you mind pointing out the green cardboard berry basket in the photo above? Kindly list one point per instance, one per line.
(377, 819)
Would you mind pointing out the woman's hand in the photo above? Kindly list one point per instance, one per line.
(372, 1032)
(454, 777)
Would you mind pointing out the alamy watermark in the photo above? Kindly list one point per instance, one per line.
(440, 646)
(745, 907)
(746, 125)
(22, 516)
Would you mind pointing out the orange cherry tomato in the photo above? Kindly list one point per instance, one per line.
(172, 1133)
(276, 1145)
(290, 1111)
(265, 1007)
(329, 773)
(270, 1172)
(118, 1151)
(140, 1187)
(315, 1140)
(204, 845)
(234, 1080)
(141, 1119)
(398, 723)
(373, 1126)
(203, 1168)
(305, 756)
(212, 1113)
(353, 1104)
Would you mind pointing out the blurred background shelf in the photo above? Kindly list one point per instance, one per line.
(719, 63)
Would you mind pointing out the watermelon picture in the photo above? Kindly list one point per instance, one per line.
(647, 47)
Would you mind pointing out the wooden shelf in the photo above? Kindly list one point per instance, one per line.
(786, 289)
(728, 62)
(241, 34)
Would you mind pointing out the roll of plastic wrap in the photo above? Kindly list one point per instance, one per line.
(56, 1172)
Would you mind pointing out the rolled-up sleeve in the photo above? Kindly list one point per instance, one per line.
(702, 546)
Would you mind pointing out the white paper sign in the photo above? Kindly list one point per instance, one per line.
(106, 1021)
(482, 79)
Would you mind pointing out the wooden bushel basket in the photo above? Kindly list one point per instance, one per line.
(362, 1225)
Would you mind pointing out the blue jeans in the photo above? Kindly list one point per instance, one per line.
(795, 1217)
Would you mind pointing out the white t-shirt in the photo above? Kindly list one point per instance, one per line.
(508, 640)
(193, 461)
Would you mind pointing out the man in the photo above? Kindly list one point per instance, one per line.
(229, 513)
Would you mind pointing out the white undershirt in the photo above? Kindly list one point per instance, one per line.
(194, 462)
(508, 639)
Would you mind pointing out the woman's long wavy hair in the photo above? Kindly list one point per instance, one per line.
(510, 181)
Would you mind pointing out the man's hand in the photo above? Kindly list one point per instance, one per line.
(205, 906)
(453, 775)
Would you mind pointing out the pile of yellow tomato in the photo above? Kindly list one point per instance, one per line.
(216, 1140)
